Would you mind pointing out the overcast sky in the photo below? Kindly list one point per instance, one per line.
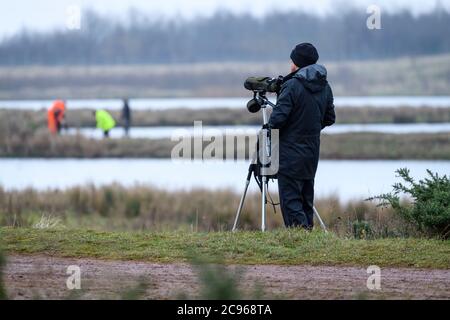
(51, 14)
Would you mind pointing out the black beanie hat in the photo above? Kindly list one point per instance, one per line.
(304, 55)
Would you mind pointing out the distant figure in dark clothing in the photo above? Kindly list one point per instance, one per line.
(126, 116)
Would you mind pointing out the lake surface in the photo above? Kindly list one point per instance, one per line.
(347, 179)
(239, 102)
(167, 132)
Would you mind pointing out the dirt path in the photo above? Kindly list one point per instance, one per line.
(29, 277)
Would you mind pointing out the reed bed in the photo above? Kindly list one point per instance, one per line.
(82, 118)
(142, 208)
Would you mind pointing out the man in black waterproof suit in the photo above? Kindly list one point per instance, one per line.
(304, 107)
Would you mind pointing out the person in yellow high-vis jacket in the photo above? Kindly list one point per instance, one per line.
(104, 121)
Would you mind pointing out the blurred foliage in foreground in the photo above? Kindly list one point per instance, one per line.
(3, 295)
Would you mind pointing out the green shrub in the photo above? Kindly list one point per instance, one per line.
(429, 210)
(107, 201)
(133, 207)
(362, 230)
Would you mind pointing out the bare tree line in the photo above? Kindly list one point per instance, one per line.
(229, 37)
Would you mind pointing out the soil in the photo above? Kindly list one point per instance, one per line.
(44, 277)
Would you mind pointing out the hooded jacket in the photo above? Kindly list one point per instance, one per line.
(55, 116)
(304, 107)
(104, 120)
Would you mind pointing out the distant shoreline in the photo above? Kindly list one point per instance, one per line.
(349, 146)
(348, 78)
(82, 118)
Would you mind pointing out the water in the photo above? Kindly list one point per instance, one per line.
(240, 102)
(389, 128)
(167, 132)
(347, 179)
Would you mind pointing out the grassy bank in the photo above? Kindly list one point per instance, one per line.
(286, 247)
(361, 146)
(426, 75)
(82, 118)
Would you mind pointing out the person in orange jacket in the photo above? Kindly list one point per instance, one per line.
(55, 116)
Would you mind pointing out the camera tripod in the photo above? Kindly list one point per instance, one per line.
(259, 164)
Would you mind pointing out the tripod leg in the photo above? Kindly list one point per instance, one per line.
(263, 204)
(241, 203)
(320, 220)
